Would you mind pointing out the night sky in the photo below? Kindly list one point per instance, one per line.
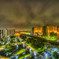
(28, 13)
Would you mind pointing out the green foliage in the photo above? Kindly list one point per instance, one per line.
(55, 55)
(0, 44)
(20, 51)
(12, 40)
(27, 55)
(36, 43)
(53, 38)
(53, 34)
(23, 36)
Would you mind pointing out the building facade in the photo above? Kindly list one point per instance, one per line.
(45, 30)
(37, 31)
(50, 29)
(5, 32)
(10, 32)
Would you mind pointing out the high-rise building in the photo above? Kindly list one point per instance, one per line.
(45, 30)
(37, 31)
(58, 31)
(10, 31)
(5, 32)
(50, 29)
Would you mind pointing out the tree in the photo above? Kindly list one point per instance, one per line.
(55, 55)
(53, 36)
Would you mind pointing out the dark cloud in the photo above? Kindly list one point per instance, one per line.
(28, 13)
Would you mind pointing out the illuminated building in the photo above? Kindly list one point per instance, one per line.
(17, 34)
(45, 30)
(0, 35)
(37, 31)
(3, 32)
(50, 29)
(22, 32)
(10, 31)
(58, 32)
